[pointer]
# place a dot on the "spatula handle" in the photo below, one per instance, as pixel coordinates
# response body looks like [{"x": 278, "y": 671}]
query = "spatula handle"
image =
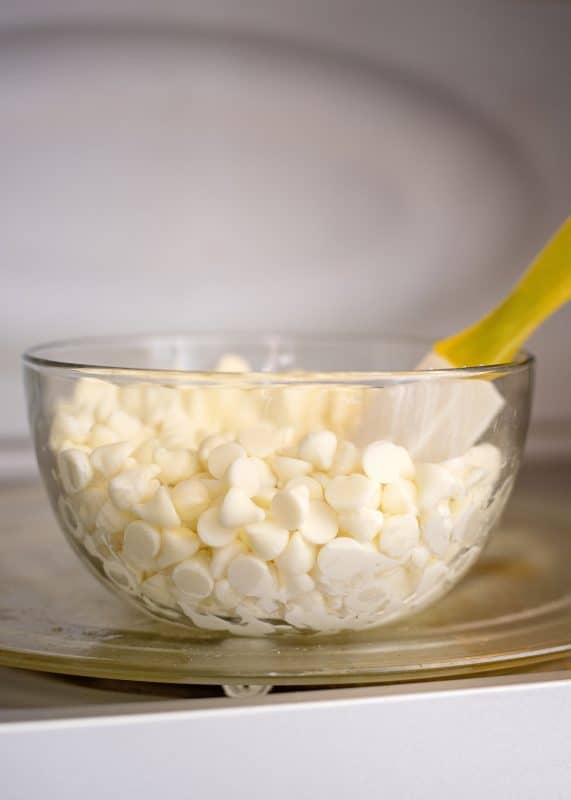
[{"x": 498, "y": 337}]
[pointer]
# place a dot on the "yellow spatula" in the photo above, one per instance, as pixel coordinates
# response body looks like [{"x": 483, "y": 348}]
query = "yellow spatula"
[
  {"x": 441, "y": 419},
  {"x": 499, "y": 336}
]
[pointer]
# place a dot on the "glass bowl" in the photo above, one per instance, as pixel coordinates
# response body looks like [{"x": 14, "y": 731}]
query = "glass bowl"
[{"x": 263, "y": 484}]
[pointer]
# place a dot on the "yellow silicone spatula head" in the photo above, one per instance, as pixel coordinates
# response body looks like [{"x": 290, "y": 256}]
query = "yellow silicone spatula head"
[
  {"x": 473, "y": 403},
  {"x": 498, "y": 337}
]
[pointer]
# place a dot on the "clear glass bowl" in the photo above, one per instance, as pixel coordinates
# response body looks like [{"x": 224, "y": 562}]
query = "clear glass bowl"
[{"x": 326, "y": 486}]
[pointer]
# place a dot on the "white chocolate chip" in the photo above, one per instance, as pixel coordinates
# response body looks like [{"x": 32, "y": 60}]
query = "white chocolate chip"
[
  {"x": 465, "y": 520},
  {"x": 101, "y": 435},
  {"x": 397, "y": 585},
  {"x": 485, "y": 456},
  {"x": 211, "y": 530},
  {"x": 69, "y": 445},
  {"x": 159, "y": 403},
  {"x": 386, "y": 564},
  {"x": 120, "y": 575},
  {"x": 178, "y": 433},
  {"x": 133, "y": 486},
  {"x": 110, "y": 519},
  {"x": 264, "y": 605},
  {"x": 264, "y": 497},
  {"x": 222, "y": 556},
  {"x": 158, "y": 588},
  {"x": 141, "y": 544},
  {"x": 249, "y": 624},
  {"x": 295, "y": 584},
  {"x": 193, "y": 578},
  {"x": 244, "y": 473},
  {"x": 386, "y": 462},
  {"x": 177, "y": 544},
  {"x": 97, "y": 544},
  {"x": 351, "y": 492},
  {"x": 304, "y": 618},
  {"x": 363, "y": 524},
  {"x": 176, "y": 464},
  {"x": 434, "y": 575},
  {"x": 320, "y": 525},
  {"x": 111, "y": 544},
  {"x": 212, "y": 622},
  {"x": 112, "y": 458},
  {"x": 90, "y": 502},
  {"x": 123, "y": 424},
  {"x": 346, "y": 459},
  {"x": 312, "y": 601},
  {"x": 400, "y": 535},
  {"x": 130, "y": 398},
  {"x": 399, "y": 497},
  {"x": 210, "y": 443},
  {"x": 322, "y": 479},
  {"x": 214, "y": 486},
  {"x": 436, "y": 528},
  {"x": 99, "y": 397},
  {"x": 298, "y": 556},
  {"x": 475, "y": 477},
  {"x": 260, "y": 440},
  {"x": 457, "y": 466},
  {"x": 190, "y": 499},
  {"x": 145, "y": 452},
  {"x": 287, "y": 468},
  {"x": 70, "y": 518},
  {"x": 75, "y": 470},
  {"x": 370, "y": 597},
  {"x": 288, "y": 404},
  {"x": 314, "y": 488},
  {"x": 75, "y": 427},
  {"x": 319, "y": 449},
  {"x": 237, "y": 510},
  {"x": 290, "y": 507},
  {"x": 159, "y": 510},
  {"x": 221, "y": 457},
  {"x": 436, "y": 483},
  {"x": 267, "y": 477},
  {"x": 267, "y": 539},
  {"x": 249, "y": 575},
  {"x": 420, "y": 556},
  {"x": 225, "y": 595},
  {"x": 343, "y": 559},
  {"x": 286, "y": 437}
]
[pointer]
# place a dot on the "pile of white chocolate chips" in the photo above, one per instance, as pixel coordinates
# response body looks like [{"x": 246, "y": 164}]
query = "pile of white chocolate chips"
[{"x": 206, "y": 505}]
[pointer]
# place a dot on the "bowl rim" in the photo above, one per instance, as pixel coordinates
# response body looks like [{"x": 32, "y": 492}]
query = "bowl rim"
[{"x": 36, "y": 358}]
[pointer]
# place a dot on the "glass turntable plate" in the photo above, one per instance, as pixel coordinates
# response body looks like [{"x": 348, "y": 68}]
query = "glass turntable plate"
[{"x": 512, "y": 609}]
